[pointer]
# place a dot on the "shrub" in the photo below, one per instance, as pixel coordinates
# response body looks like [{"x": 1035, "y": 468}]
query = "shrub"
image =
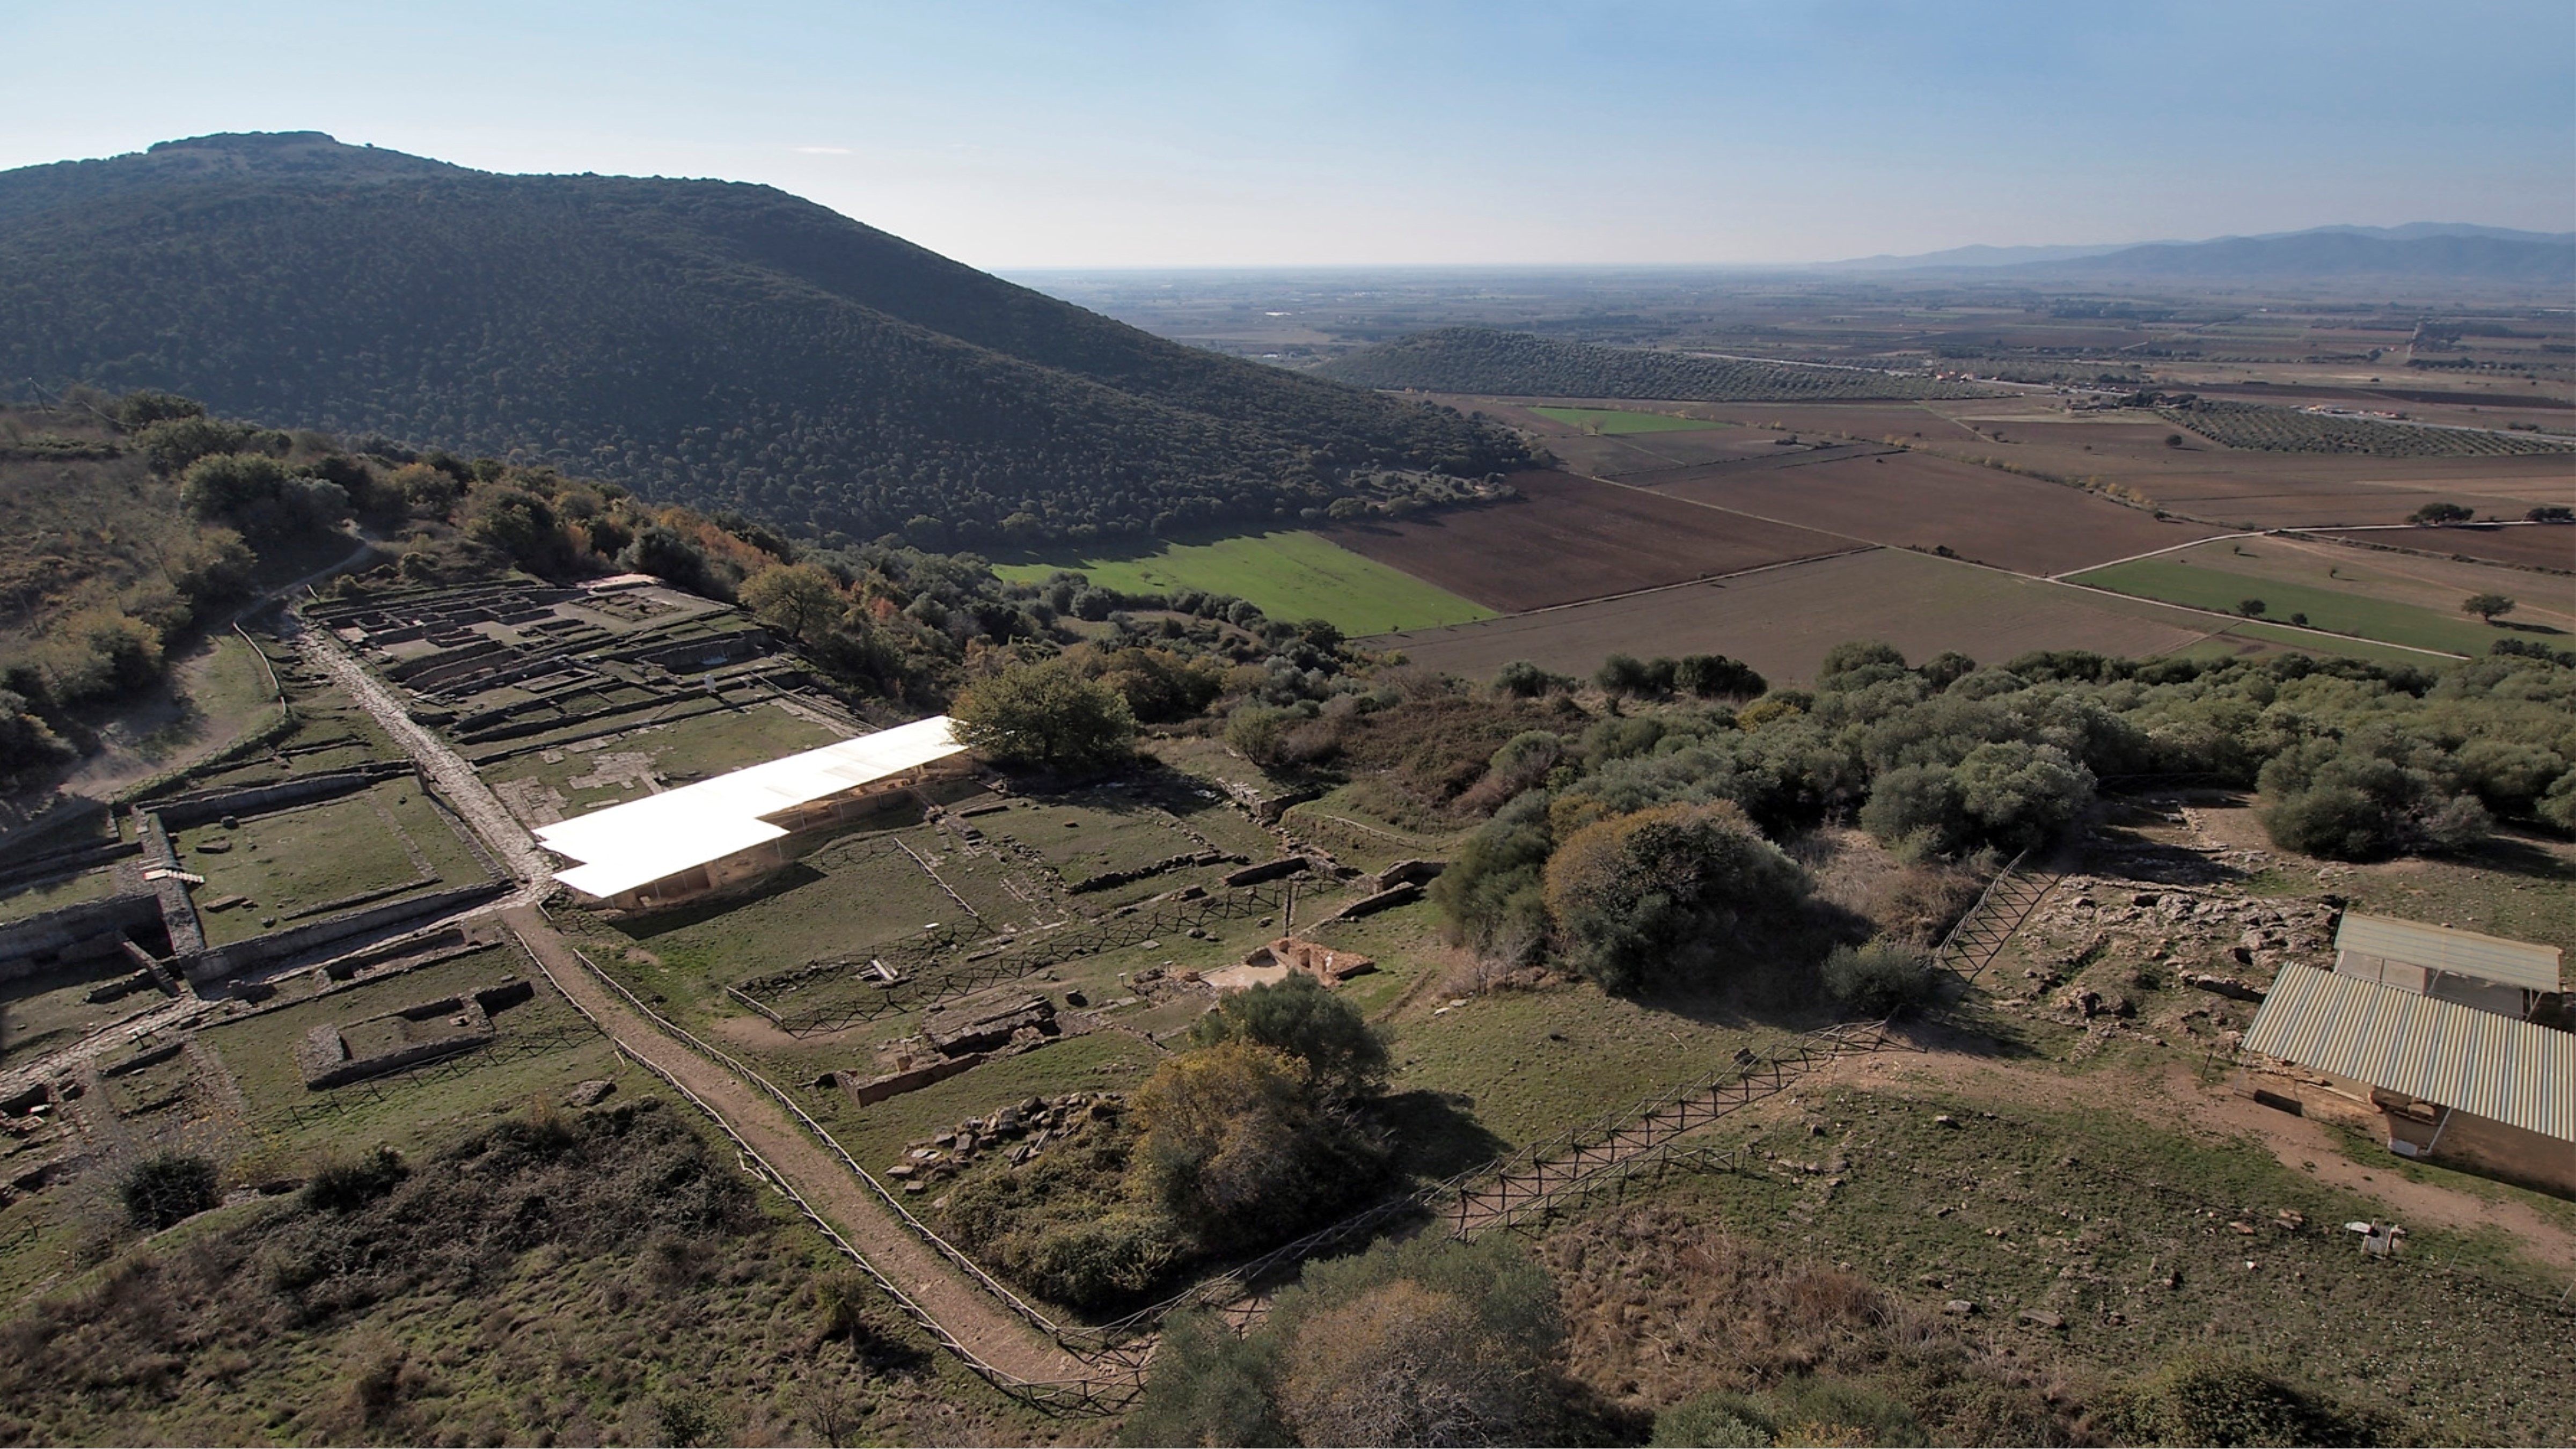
[
  {"x": 1881, "y": 979},
  {"x": 1425, "y": 1342},
  {"x": 343, "y": 1186},
  {"x": 1713, "y": 1421},
  {"x": 166, "y": 1189},
  {"x": 1259, "y": 732},
  {"x": 1668, "y": 897},
  {"x": 1624, "y": 674},
  {"x": 2206, "y": 1398},
  {"x": 1525, "y": 680},
  {"x": 1854, "y": 655},
  {"x": 1715, "y": 676}
]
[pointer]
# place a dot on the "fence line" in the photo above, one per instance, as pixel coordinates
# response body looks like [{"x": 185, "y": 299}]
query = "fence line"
[{"x": 2000, "y": 909}]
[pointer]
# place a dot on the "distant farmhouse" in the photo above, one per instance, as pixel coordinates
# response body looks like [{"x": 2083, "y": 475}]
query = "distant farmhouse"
[
  {"x": 681, "y": 844},
  {"x": 2432, "y": 1027}
]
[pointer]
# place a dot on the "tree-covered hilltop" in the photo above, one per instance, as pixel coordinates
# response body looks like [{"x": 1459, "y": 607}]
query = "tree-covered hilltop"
[
  {"x": 722, "y": 345},
  {"x": 1521, "y": 364}
]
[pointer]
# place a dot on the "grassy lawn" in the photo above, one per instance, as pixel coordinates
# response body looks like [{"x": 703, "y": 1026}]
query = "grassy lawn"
[
  {"x": 302, "y": 859},
  {"x": 1293, "y": 575},
  {"x": 2208, "y": 586},
  {"x": 1614, "y": 421}
]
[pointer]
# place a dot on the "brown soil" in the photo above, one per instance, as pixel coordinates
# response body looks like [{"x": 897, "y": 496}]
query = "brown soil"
[
  {"x": 2526, "y": 547},
  {"x": 1571, "y": 538},
  {"x": 1781, "y": 621},
  {"x": 2024, "y": 524}
]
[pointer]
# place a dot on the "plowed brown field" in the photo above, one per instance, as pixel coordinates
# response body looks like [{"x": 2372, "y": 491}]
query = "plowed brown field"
[
  {"x": 1994, "y": 517},
  {"x": 1571, "y": 538},
  {"x": 1781, "y": 621},
  {"x": 2530, "y": 546}
]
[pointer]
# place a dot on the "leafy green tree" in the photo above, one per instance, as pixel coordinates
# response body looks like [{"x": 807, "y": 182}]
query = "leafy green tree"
[
  {"x": 2488, "y": 607},
  {"x": 2441, "y": 513},
  {"x": 1299, "y": 1016},
  {"x": 2251, "y": 608},
  {"x": 1046, "y": 716},
  {"x": 800, "y": 601}
]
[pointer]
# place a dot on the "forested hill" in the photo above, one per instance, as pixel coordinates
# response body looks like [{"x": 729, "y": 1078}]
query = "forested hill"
[
  {"x": 723, "y": 345},
  {"x": 1520, "y": 364}
]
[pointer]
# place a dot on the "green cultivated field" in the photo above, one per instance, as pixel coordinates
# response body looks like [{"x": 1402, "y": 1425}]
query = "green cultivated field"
[
  {"x": 2203, "y": 586},
  {"x": 1614, "y": 421},
  {"x": 1294, "y": 576}
]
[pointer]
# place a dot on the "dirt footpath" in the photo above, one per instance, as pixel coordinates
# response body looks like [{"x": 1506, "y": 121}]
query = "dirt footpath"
[{"x": 969, "y": 1314}]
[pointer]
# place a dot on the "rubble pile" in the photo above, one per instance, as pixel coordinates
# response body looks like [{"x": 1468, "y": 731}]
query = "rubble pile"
[{"x": 1018, "y": 1133}]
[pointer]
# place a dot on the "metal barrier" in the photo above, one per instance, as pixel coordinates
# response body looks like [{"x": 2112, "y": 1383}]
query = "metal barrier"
[{"x": 1999, "y": 912}]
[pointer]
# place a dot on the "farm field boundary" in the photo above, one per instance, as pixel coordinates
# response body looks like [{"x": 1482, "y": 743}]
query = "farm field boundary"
[
  {"x": 1781, "y": 620},
  {"x": 2210, "y": 585}
]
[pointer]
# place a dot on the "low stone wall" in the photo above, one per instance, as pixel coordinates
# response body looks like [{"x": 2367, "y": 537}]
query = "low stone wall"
[
  {"x": 185, "y": 810},
  {"x": 895, "y": 1084},
  {"x": 74, "y": 933},
  {"x": 225, "y": 961},
  {"x": 1268, "y": 870}
]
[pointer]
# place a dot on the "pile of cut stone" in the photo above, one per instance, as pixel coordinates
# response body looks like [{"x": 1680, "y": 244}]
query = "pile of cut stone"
[{"x": 1018, "y": 1132}]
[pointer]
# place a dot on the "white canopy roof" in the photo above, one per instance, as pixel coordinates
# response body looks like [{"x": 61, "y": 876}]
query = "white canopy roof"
[{"x": 641, "y": 841}]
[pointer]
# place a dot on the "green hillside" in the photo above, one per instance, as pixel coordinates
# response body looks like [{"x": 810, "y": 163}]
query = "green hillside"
[
  {"x": 1520, "y": 364},
  {"x": 721, "y": 345}
]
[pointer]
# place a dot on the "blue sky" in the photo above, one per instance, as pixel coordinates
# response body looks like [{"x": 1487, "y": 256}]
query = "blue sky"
[{"x": 1027, "y": 136}]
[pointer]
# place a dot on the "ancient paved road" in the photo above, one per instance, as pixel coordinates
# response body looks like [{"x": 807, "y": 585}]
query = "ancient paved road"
[
  {"x": 501, "y": 831},
  {"x": 966, "y": 1312}
]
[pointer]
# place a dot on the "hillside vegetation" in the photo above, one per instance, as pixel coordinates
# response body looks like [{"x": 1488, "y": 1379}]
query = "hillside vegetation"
[
  {"x": 722, "y": 345},
  {"x": 1520, "y": 364}
]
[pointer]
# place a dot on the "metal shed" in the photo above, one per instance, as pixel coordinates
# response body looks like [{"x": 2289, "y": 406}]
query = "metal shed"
[
  {"x": 2489, "y": 973},
  {"x": 2406, "y": 1049}
]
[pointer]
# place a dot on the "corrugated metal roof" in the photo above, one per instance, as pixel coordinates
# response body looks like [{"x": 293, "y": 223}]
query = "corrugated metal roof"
[
  {"x": 2433, "y": 1050},
  {"x": 2462, "y": 953},
  {"x": 625, "y": 846}
]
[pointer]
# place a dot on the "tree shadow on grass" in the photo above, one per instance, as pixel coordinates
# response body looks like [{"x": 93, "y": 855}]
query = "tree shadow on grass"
[
  {"x": 2517, "y": 854},
  {"x": 1436, "y": 1133}
]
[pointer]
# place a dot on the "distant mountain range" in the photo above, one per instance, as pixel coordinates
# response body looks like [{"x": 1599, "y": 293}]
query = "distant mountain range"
[
  {"x": 723, "y": 345},
  {"x": 2419, "y": 250}
]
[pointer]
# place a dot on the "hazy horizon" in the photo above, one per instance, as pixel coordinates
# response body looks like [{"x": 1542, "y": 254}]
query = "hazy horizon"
[{"x": 1226, "y": 136}]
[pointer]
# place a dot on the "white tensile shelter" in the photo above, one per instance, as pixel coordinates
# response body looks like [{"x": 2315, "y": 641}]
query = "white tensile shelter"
[{"x": 686, "y": 842}]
